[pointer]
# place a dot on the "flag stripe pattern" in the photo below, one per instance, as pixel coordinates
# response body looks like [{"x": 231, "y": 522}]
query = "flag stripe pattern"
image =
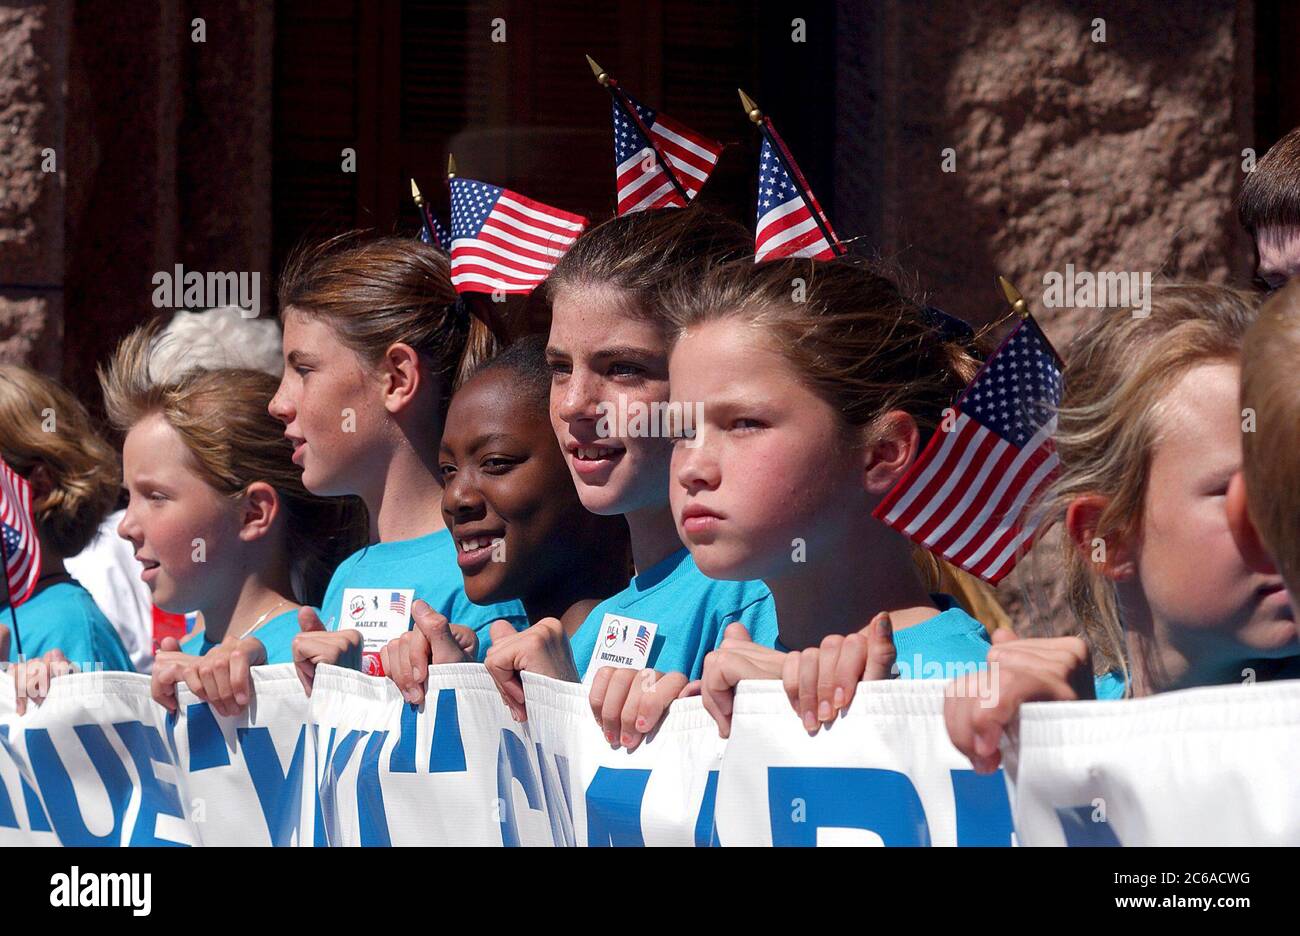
[
  {"x": 501, "y": 240},
  {"x": 968, "y": 498},
  {"x": 22, "y": 546},
  {"x": 642, "y": 183},
  {"x": 786, "y": 224}
]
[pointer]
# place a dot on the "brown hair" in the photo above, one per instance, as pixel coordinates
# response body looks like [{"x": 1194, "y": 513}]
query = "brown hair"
[
  {"x": 860, "y": 344},
  {"x": 1270, "y": 387},
  {"x": 222, "y": 418},
  {"x": 1117, "y": 373},
  {"x": 377, "y": 292},
  {"x": 1270, "y": 196},
  {"x": 41, "y": 423},
  {"x": 640, "y": 254}
]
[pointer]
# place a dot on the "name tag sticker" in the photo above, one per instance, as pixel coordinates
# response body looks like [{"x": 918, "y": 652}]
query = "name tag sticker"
[
  {"x": 623, "y": 642},
  {"x": 380, "y": 614}
]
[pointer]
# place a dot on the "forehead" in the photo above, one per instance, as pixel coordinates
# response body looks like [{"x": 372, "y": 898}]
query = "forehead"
[
  {"x": 153, "y": 444},
  {"x": 1199, "y": 418},
  {"x": 728, "y": 351},
  {"x": 494, "y": 402},
  {"x": 586, "y": 318}
]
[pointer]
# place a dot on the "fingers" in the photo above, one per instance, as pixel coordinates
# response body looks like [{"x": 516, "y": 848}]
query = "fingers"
[
  {"x": 467, "y": 640},
  {"x": 170, "y": 645},
  {"x": 303, "y": 663},
  {"x": 596, "y": 696},
  {"x": 847, "y": 671},
  {"x": 809, "y": 666},
  {"x": 162, "y": 684},
  {"x": 500, "y": 662},
  {"x": 652, "y": 705},
  {"x": 400, "y": 653},
  {"x": 611, "y": 712},
  {"x": 881, "y": 653},
  {"x": 4, "y": 643},
  {"x": 690, "y": 690},
  {"x": 248, "y": 653},
  {"x": 718, "y": 691},
  {"x": 829, "y": 654}
]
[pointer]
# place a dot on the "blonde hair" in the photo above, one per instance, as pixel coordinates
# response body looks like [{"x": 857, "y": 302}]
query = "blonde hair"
[
  {"x": 860, "y": 344},
  {"x": 377, "y": 292},
  {"x": 1117, "y": 374},
  {"x": 41, "y": 423},
  {"x": 1270, "y": 387},
  {"x": 221, "y": 416}
]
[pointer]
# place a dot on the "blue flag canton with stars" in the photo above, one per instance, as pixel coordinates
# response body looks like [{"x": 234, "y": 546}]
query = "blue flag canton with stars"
[
  {"x": 471, "y": 203},
  {"x": 775, "y": 187},
  {"x": 1019, "y": 389},
  {"x": 628, "y": 140}
]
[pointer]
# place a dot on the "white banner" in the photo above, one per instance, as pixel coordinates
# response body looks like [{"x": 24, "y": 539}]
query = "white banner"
[{"x": 99, "y": 763}]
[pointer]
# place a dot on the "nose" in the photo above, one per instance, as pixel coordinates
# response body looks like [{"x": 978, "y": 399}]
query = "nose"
[
  {"x": 576, "y": 399},
  {"x": 461, "y": 498},
  {"x": 128, "y": 529},
  {"x": 695, "y": 463},
  {"x": 281, "y": 405}
]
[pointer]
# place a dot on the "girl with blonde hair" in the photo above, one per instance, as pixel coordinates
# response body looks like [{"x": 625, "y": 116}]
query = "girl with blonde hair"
[
  {"x": 1149, "y": 436},
  {"x": 220, "y": 519}
]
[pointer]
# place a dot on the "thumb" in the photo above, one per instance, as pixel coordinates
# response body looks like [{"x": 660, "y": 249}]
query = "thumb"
[
  {"x": 308, "y": 620},
  {"x": 170, "y": 644},
  {"x": 881, "y": 652},
  {"x": 443, "y": 647},
  {"x": 1002, "y": 635},
  {"x": 500, "y": 630},
  {"x": 736, "y": 632}
]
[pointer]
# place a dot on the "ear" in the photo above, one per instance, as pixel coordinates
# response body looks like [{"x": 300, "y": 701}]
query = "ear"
[
  {"x": 259, "y": 508},
  {"x": 1112, "y": 555},
  {"x": 1244, "y": 534},
  {"x": 402, "y": 376},
  {"x": 895, "y": 440}
]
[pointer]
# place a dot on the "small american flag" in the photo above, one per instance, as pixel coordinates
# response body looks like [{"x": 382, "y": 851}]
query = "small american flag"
[
  {"x": 788, "y": 213},
  {"x": 432, "y": 231},
  {"x": 642, "y": 181},
  {"x": 397, "y": 603},
  {"x": 22, "y": 547},
  {"x": 966, "y": 497},
  {"x": 642, "y": 639},
  {"x": 501, "y": 240}
]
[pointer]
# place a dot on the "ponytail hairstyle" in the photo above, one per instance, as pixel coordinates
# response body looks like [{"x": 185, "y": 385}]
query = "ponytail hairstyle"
[
  {"x": 859, "y": 343},
  {"x": 640, "y": 254},
  {"x": 377, "y": 292},
  {"x": 1117, "y": 375},
  {"x": 42, "y": 424},
  {"x": 221, "y": 416}
]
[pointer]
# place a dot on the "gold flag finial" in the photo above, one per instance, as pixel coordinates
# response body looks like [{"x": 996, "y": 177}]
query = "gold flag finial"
[
  {"x": 451, "y": 167},
  {"x": 601, "y": 75},
  {"x": 1013, "y": 296},
  {"x": 751, "y": 109},
  {"x": 415, "y": 193}
]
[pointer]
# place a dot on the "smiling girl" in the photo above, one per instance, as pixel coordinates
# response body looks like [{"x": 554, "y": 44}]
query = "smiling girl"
[
  {"x": 508, "y": 494},
  {"x": 219, "y": 519},
  {"x": 374, "y": 341},
  {"x": 820, "y": 384},
  {"x": 1150, "y": 435},
  {"x": 608, "y": 353}
]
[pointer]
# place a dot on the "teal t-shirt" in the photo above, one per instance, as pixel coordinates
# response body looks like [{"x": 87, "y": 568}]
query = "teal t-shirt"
[
  {"x": 942, "y": 647},
  {"x": 426, "y": 564},
  {"x": 63, "y": 616},
  {"x": 276, "y": 636},
  {"x": 691, "y": 612}
]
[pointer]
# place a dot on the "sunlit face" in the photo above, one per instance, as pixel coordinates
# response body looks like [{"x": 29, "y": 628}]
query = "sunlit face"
[
  {"x": 1279, "y": 256},
  {"x": 332, "y": 408},
  {"x": 599, "y": 353},
  {"x": 768, "y": 474},
  {"x": 508, "y": 499},
  {"x": 1190, "y": 570},
  {"x": 184, "y": 531}
]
